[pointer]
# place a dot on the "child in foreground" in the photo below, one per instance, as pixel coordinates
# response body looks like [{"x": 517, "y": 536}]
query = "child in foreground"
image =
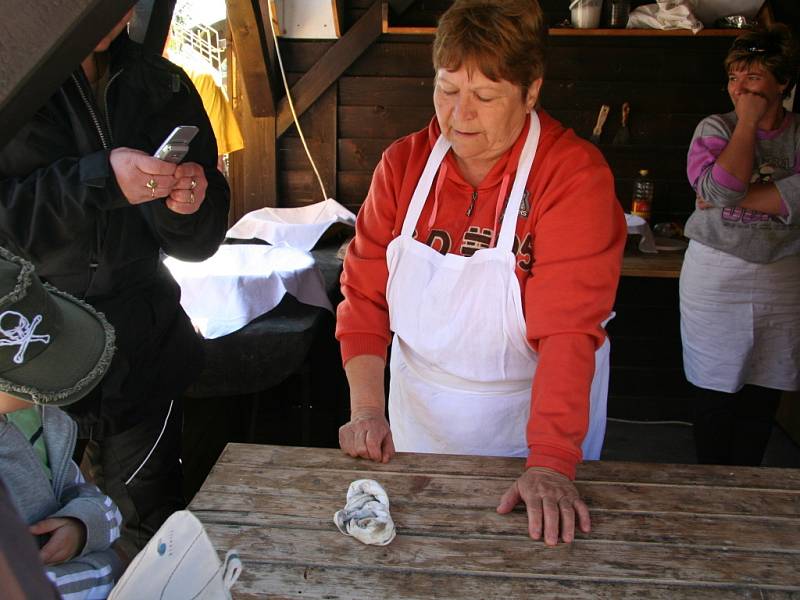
[{"x": 53, "y": 350}]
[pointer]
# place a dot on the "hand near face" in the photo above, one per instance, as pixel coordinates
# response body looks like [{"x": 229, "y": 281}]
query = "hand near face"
[
  {"x": 67, "y": 538},
  {"x": 367, "y": 435},
  {"x": 754, "y": 91},
  {"x": 141, "y": 177},
  {"x": 552, "y": 502},
  {"x": 751, "y": 107}
]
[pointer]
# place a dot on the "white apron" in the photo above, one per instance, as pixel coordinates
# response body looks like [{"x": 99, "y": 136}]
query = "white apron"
[
  {"x": 461, "y": 367},
  {"x": 740, "y": 321}
]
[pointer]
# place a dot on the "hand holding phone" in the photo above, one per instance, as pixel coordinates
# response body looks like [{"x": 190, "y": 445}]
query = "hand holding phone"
[{"x": 176, "y": 145}]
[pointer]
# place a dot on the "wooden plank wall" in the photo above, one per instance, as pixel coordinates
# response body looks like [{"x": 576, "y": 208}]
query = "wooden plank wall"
[{"x": 671, "y": 83}]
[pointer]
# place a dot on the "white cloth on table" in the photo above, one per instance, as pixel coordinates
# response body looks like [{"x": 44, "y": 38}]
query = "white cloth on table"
[
  {"x": 297, "y": 227},
  {"x": 638, "y": 226},
  {"x": 740, "y": 321},
  {"x": 244, "y": 281},
  {"x": 366, "y": 515}
]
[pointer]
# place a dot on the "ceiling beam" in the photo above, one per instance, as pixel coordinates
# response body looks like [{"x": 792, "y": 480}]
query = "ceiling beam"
[
  {"x": 252, "y": 44},
  {"x": 332, "y": 64},
  {"x": 270, "y": 53},
  {"x": 41, "y": 43}
]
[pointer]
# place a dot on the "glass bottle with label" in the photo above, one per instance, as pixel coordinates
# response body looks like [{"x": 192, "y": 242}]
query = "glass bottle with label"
[
  {"x": 642, "y": 205},
  {"x": 615, "y": 13}
]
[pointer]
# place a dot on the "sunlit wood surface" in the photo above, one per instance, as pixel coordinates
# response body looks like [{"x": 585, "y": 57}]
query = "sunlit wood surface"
[{"x": 659, "y": 531}]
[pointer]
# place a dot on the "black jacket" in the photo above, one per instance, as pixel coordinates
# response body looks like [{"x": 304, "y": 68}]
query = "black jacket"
[{"x": 61, "y": 207}]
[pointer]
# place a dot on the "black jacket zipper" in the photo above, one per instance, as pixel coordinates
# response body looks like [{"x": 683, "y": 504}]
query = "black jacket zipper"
[{"x": 106, "y": 141}]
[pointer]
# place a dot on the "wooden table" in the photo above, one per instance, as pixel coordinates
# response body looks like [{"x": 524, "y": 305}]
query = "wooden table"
[
  {"x": 663, "y": 264},
  {"x": 659, "y": 531}
]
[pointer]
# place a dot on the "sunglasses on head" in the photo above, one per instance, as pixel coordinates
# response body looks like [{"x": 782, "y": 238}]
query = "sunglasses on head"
[{"x": 755, "y": 46}]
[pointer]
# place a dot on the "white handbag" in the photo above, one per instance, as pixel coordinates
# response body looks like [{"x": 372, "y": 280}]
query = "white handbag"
[{"x": 179, "y": 563}]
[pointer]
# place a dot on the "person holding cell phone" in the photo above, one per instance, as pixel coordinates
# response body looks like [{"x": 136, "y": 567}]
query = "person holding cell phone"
[{"x": 83, "y": 198}]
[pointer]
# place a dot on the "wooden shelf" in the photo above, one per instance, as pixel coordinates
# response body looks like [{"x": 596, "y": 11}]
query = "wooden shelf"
[
  {"x": 565, "y": 31},
  {"x": 764, "y": 16},
  {"x": 569, "y": 31}
]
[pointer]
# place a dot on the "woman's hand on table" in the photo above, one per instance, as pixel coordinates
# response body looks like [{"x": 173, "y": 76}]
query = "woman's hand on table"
[
  {"x": 367, "y": 435},
  {"x": 552, "y": 502}
]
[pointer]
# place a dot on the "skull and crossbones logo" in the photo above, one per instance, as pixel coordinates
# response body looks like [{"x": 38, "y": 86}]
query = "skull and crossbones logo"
[{"x": 22, "y": 333}]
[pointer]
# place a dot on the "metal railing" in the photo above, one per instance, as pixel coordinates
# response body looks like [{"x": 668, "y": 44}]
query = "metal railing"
[{"x": 197, "y": 41}]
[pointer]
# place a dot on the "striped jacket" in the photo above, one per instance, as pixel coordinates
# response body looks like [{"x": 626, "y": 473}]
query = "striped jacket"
[{"x": 90, "y": 574}]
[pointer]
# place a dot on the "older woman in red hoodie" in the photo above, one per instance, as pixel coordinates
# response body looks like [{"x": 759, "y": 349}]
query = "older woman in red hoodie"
[{"x": 490, "y": 245}]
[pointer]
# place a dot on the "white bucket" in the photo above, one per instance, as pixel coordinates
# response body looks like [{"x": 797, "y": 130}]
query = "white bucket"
[{"x": 585, "y": 14}]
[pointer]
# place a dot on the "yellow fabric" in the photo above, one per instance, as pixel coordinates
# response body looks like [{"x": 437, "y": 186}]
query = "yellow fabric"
[{"x": 220, "y": 113}]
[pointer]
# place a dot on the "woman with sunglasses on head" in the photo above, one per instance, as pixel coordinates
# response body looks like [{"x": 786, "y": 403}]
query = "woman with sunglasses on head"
[{"x": 740, "y": 283}]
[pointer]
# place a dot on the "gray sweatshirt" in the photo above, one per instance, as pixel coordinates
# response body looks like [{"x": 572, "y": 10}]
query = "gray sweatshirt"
[
  {"x": 747, "y": 234},
  {"x": 94, "y": 570}
]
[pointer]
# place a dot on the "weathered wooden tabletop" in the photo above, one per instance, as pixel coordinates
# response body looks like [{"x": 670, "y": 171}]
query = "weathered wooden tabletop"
[
  {"x": 662, "y": 265},
  {"x": 659, "y": 531}
]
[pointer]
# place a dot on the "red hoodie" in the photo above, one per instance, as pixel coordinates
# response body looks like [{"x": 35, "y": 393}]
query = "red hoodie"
[{"x": 569, "y": 240}]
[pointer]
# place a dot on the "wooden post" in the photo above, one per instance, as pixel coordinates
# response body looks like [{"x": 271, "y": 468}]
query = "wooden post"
[
  {"x": 247, "y": 30},
  {"x": 253, "y": 169}
]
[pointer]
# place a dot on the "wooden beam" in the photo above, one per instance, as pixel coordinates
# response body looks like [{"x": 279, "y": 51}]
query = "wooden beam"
[
  {"x": 40, "y": 44},
  {"x": 328, "y": 69},
  {"x": 249, "y": 41},
  {"x": 270, "y": 53},
  {"x": 253, "y": 170}
]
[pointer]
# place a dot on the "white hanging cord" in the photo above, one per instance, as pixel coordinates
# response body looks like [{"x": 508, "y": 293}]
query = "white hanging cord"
[
  {"x": 289, "y": 98},
  {"x": 158, "y": 439}
]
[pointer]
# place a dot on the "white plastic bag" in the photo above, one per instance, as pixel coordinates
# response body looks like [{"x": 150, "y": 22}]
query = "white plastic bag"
[
  {"x": 665, "y": 14},
  {"x": 179, "y": 562}
]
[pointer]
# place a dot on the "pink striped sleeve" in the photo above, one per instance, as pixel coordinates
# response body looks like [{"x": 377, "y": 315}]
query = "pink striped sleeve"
[
  {"x": 725, "y": 179},
  {"x": 702, "y": 156}
]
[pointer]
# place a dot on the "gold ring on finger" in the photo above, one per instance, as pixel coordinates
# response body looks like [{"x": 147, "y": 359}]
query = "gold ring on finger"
[
  {"x": 152, "y": 184},
  {"x": 194, "y": 183},
  {"x": 191, "y": 197}
]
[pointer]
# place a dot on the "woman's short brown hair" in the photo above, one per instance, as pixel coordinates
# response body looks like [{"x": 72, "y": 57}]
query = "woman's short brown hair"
[
  {"x": 504, "y": 39},
  {"x": 772, "y": 48}
]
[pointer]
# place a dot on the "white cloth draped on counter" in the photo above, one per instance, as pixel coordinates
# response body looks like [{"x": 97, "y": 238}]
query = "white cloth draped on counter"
[
  {"x": 300, "y": 227},
  {"x": 638, "y": 226},
  {"x": 244, "y": 281}
]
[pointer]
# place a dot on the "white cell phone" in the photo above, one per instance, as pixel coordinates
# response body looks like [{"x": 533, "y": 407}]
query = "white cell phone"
[{"x": 176, "y": 146}]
